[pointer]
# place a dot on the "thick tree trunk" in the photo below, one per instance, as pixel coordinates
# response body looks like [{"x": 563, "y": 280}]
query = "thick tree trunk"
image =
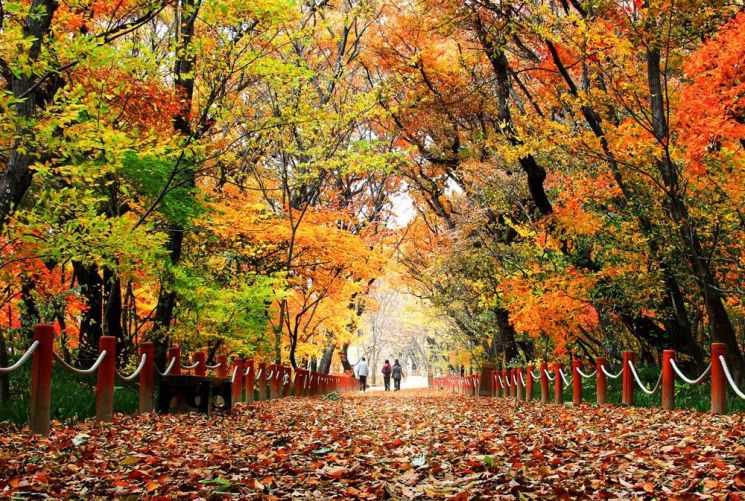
[
  {"x": 15, "y": 178},
  {"x": 324, "y": 366},
  {"x": 509, "y": 347},
  {"x": 91, "y": 322}
]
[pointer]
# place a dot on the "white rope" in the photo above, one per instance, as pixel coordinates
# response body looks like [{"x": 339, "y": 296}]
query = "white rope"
[
  {"x": 501, "y": 384},
  {"x": 258, "y": 374},
  {"x": 550, "y": 378},
  {"x": 612, "y": 376},
  {"x": 212, "y": 367},
  {"x": 639, "y": 382},
  {"x": 563, "y": 376},
  {"x": 269, "y": 376},
  {"x": 235, "y": 373},
  {"x": 169, "y": 368},
  {"x": 137, "y": 371},
  {"x": 507, "y": 381},
  {"x": 534, "y": 375},
  {"x": 192, "y": 366},
  {"x": 690, "y": 381},
  {"x": 586, "y": 376},
  {"x": 82, "y": 372},
  {"x": 278, "y": 372},
  {"x": 730, "y": 379},
  {"x": 22, "y": 360},
  {"x": 248, "y": 371},
  {"x": 514, "y": 379},
  {"x": 523, "y": 379}
]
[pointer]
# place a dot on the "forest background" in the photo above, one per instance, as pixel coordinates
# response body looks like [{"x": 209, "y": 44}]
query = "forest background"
[{"x": 225, "y": 175}]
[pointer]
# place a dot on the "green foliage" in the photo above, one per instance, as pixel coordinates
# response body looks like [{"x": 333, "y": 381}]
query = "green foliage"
[{"x": 165, "y": 183}]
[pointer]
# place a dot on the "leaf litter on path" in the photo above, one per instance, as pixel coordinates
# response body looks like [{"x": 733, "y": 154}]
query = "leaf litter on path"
[{"x": 419, "y": 444}]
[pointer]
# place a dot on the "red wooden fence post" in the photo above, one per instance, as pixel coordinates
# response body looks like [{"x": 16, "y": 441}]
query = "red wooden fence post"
[
  {"x": 529, "y": 381},
  {"x": 520, "y": 387},
  {"x": 174, "y": 353},
  {"x": 271, "y": 369},
  {"x": 200, "y": 358},
  {"x": 512, "y": 374},
  {"x": 238, "y": 381},
  {"x": 576, "y": 383},
  {"x": 298, "y": 386},
  {"x": 261, "y": 382},
  {"x": 248, "y": 365},
  {"x": 544, "y": 382},
  {"x": 222, "y": 370},
  {"x": 628, "y": 383},
  {"x": 105, "y": 384},
  {"x": 602, "y": 381},
  {"x": 41, "y": 379},
  {"x": 558, "y": 384},
  {"x": 718, "y": 382},
  {"x": 147, "y": 377},
  {"x": 668, "y": 380}
]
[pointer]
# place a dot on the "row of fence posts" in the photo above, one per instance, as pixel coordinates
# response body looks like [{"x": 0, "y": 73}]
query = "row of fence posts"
[
  {"x": 245, "y": 374},
  {"x": 519, "y": 382}
]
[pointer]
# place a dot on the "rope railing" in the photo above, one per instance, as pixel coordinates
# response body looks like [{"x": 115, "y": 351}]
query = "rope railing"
[
  {"x": 170, "y": 367},
  {"x": 639, "y": 382},
  {"x": 609, "y": 374},
  {"x": 684, "y": 378},
  {"x": 729, "y": 377},
  {"x": 81, "y": 372},
  {"x": 44, "y": 357},
  {"x": 19, "y": 363},
  {"x": 511, "y": 383},
  {"x": 213, "y": 367},
  {"x": 136, "y": 372}
]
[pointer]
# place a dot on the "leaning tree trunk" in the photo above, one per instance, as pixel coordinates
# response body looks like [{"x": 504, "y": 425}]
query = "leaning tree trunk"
[{"x": 324, "y": 365}]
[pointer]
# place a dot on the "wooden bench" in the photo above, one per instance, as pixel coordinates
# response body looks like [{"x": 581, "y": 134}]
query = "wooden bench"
[{"x": 203, "y": 393}]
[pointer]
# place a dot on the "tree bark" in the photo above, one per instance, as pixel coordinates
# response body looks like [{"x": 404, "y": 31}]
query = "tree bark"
[{"x": 15, "y": 179}]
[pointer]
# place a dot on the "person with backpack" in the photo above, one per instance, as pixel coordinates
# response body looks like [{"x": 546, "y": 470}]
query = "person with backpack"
[
  {"x": 362, "y": 373},
  {"x": 387, "y": 375},
  {"x": 396, "y": 373}
]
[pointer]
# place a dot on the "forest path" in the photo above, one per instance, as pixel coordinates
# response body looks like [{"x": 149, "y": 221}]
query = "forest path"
[{"x": 423, "y": 444}]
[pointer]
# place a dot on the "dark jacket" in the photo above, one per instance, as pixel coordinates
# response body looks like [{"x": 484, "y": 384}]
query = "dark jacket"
[
  {"x": 397, "y": 370},
  {"x": 387, "y": 370}
]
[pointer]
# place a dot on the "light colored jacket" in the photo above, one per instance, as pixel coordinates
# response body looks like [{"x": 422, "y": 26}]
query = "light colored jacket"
[{"x": 362, "y": 368}]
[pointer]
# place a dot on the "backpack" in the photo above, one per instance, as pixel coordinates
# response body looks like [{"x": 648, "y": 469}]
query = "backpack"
[
  {"x": 387, "y": 370},
  {"x": 396, "y": 372}
]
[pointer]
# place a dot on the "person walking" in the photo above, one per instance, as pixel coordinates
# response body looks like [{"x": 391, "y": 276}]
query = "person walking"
[
  {"x": 387, "y": 369},
  {"x": 362, "y": 374},
  {"x": 396, "y": 372}
]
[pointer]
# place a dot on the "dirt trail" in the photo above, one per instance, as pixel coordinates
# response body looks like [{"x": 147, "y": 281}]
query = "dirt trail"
[{"x": 416, "y": 444}]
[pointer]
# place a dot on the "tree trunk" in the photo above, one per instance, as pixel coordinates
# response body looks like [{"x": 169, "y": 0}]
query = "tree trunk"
[
  {"x": 186, "y": 12},
  {"x": 15, "y": 178},
  {"x": 721, "y": 326},
  {"x": 91, "y": 322},
  {"x": 509, "y": 347},
  {"x": 324, "y": 366},
  {"x": 4, "y": 378}
]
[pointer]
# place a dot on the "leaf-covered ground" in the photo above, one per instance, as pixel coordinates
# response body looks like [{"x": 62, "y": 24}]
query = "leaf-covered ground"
[{"x": 408, "y": 445}]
